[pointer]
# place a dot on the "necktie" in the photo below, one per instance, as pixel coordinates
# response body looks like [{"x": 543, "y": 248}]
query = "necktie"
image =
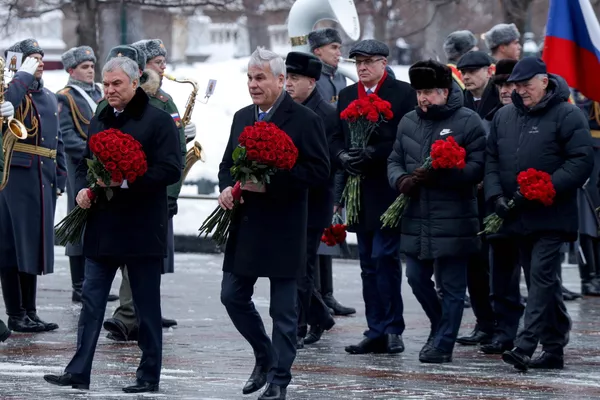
[
  {"x": 261, "y": 115},
  {"x": 477, "y": 103},
  {"x": 369, "y": 91}
]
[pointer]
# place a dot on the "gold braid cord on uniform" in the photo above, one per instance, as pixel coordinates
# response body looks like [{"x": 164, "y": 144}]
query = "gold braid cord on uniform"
[
  {"x": 21, "y": 115},
  {"x": 595, "y": 112},
  {"x": 77, "y": 116}
]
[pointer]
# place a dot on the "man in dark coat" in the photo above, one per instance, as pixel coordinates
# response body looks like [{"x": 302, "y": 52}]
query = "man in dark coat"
[
  {"x": 38, "y": 173},
  {"x": 540, "y": 130},
  {"x": 378, "y": 248},
  {"x": 257, "y": 246},
  {"x": 481, "y": 96},
  {"x": 129, "y": 229},
  {"x": 303, "y": 70},
  {"x": 77, "y": 102},
  {"x": 440, "y": 222}
]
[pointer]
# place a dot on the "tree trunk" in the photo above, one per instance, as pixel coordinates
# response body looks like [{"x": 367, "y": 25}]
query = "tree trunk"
[
  {"x": 515, "y": 11},
  {"x": 258, "y": 32},
  {"x": 87, "y": 28}
]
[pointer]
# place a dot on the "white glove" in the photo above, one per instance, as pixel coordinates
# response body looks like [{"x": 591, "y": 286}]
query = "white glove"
[
  {"x": 7, "y": 110},
  {"x": 190, "y": 132},
  {"x": 30, "y": 65}
]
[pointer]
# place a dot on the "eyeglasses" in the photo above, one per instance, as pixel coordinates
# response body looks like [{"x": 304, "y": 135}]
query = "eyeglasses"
[{"x": 368, "y": 62}]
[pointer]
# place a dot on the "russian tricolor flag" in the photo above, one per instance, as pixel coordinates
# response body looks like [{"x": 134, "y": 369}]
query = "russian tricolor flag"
[{"x": 572, "y": 45}]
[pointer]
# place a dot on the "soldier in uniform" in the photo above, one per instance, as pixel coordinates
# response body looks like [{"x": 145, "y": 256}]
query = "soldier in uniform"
[
  {"x": 77, "y": 102},
  {"x": 123, "y": 324},
  {"x": 503, "y": 42},
  {"x": 38, "y": 174},
  {"x": 456, "y": 45}
]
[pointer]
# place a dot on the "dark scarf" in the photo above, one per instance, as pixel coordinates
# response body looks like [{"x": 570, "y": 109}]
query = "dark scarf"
[
  {"x": 36, "y": 85},
  {"x": 328, "y": 69}
]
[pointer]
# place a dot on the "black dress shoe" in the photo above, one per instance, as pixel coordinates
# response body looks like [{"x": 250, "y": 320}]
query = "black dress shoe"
[
  {"x": 590, "y": 289},
  {"x": 548, "y": 361},
  {"x": 48, "y": 326},
  {"x": 141, "y": 387},
  {"x": 428, "y": 345},
  {"x": 314, "y": 334},
  {"x": 299, "y": 343},
  {"x": 116, "y": 327},
  {"x": 258, "y": 379},
  {"x": 24, "y": 324},
  {"x": 273, "y": 392},
  {"x": 476, "y": 337},
  {"x": 116, "y": 337},
  {"x": 337, "y": 308},
  {"x": 4, "y": 331},
  {"x": 435, "y": 356},
  {"x": 496, "y": 347},
  {"x": 568, "y": 295},
  {"x": 367, "y": 346},
  {"x": 517, "y": 358},
  {"x": 67, "y": 380},
  {"x": 167, "y": 323},
  {"x": 395, "y": 344},
  {"x": 76, "y": 296}
]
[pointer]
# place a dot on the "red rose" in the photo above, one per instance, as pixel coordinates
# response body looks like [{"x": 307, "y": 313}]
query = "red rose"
[
  {"x": 261, "y": 145},
  {"x": 111, "y": 146},
  {"x": 117, "y": 176},
  {"x": 131, "y": 176},
  {"x": 250, "y": 144},
  {"x": 263, "y": 155},
  {"x": 252, "y": 155},
  {"x": 110, "y": 166},
  {"x": 123, "y": 149},
  {"x": 125, "y": 165},
  {"x": 116, "y": 156},
  {"x": 104, "y": 156}
]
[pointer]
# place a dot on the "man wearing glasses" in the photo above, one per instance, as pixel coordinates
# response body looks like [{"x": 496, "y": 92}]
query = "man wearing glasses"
[{"x": 378, "y": 248}]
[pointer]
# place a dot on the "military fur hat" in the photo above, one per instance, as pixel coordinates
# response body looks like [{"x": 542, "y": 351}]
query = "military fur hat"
[
  {"x": 323, "y": 37},
  {"x": 27, "y": 47},
  {"x": 501, "y": 34},
  {"x": 129, "y": 52},
  {"x": 77, "y": 55},
  {"x": 504, "y": 68},
  {"x": 459, "y": 43},
  {"x": 303, "y": 64},
  {"x": 150, "y": 48},
  {"x": 430, "y": 75}
]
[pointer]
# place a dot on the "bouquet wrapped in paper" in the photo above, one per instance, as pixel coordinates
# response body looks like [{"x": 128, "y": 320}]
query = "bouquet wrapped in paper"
[
  {"x": 263, "y": 149},
  {"x": 335, "y": 233},
  {"x": 116, "y": 156}
]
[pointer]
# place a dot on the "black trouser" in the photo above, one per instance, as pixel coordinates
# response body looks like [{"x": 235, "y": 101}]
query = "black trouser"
[
  {"x": 311, "y": 308},
  {"x": 588, "y": 268},
  {"x": 77, "y": 265},
  {"x": 478, "y": 283},
  {"x": 278, "y": 354},
  {"x": 144, "y": 276},
  {"x": 19, "y": 291},
  {"x": 324, "y": 275}
]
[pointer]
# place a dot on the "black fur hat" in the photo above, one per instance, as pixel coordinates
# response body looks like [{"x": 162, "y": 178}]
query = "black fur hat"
[
  {"x": 504, "y": 68},
  {"x": 430, "y": 75},
  {"x": 303, "y": 64}
]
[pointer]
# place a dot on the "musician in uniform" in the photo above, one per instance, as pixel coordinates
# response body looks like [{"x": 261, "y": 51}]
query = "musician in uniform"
[
  {"x": 77, "y": 102},
  {"x": 456, "y": 45},
  {"x": 38, "y": 174},
  {"x": 123, "y": 324}
]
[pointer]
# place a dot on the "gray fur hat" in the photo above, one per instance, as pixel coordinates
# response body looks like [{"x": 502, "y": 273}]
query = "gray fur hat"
[
  {"x": 323, "y": 37},
  {"x": 130, "y": 52},
  {"x": 151, "y": 48},
  {"x": 27, "y": 47},
  {"x": 459, "y": 43},
  {"x": 77, "y": 55},
  {"x": 501, "y": 34}
]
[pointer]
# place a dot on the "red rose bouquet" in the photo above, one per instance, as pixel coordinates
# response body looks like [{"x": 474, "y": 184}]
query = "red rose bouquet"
[
  {"x": 533, "y": 185},
  {"x": 336, "y": 232},
  {"x": 445, "y": 154},
  {"x": 116, "y": 156},
  {"x": 263, "y": 149},
  {"x": 363, "y": 116}
]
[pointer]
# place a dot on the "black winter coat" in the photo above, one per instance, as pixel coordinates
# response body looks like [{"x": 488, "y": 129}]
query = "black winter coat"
[
  {"x": 441, "y": 219},
  {"x": 267, "y": 236},
  {"x": 375, "y": 194},
  {"x": 134, "y": 222},
  {"x": 553, "y": 136},
  {"x": 320, "y": 198}
]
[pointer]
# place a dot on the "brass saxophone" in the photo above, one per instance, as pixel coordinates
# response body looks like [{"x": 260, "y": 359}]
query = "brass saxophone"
[
  {"x": 15, "y": 130},
  {"x": 195, "y": 153}
]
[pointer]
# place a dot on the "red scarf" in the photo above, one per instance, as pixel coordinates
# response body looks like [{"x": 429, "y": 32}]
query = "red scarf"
[{"x": 362, "y": 91}]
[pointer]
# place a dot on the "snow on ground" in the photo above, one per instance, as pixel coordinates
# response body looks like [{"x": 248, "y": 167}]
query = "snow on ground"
[{"x": 212, "y": 119}]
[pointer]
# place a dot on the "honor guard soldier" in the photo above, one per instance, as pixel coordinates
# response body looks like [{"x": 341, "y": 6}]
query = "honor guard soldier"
[
  {"x": 456, "y": 45},
  {"x": 503, "y": 42},
  {"x": 37, "y": 176},
  {"x": 77, "y": 102}
]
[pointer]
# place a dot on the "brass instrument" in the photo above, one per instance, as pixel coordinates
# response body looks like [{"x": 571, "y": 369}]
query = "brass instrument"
[
  {"x": 195, "y": 153},
  {"x": 15, "y": 131}
]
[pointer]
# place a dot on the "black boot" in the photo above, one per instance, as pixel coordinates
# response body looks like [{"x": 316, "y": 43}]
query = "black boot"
[
  {"x": 48, "y": 326},
  {"x": 167, "y": 323},
  {"x": 258, "y": 379},
  {"x": 548, "y": 361},
  {"x": 476, "y": 337},
  {"x": 314, "y": 334},
  {"x": 4, "y": 331},
  {"x": 337, "y": 308},
  {"x": 435, "y": 356},
  {"x": 517, "y": 358},
  {"x": 24, "y": 324},
  {"x": 273, "y": 392}
]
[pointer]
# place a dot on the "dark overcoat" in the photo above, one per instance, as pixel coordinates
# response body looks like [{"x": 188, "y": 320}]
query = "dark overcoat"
[
  {"x": 75, "y": 115},
  {"x": 267, "y": 236},
  {"x": 441, "y": 218},
  {"x": 553, "y": 136},
  {"x": 134, "y": 222},
  {"x": 375, "y": 193},
  {"x": 28, "y": 202}
]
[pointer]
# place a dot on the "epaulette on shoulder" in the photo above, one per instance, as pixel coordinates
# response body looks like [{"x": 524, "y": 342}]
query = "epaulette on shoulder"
[{"x": 64, "y": 91}]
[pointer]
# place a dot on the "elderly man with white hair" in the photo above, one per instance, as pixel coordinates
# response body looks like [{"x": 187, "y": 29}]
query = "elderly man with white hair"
[
  {"x": 130, "y": 229},
  {"x": 268, "y": 232}
]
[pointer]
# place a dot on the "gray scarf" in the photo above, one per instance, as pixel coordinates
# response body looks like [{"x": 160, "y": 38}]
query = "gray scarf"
[
  {"x": 90, "y": 88},
  {"x": 36, "y": 85},
  {"x": 328, "y": 69}
]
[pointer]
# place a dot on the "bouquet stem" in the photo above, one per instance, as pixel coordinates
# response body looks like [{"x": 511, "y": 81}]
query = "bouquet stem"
[
  {"x": 351, "y": 197},
  {"x": 218, "y": 221},
  {"x": 493, "y": 222},
  {"x": 70, "y": 229},
  {"x": 391, "y": 217}
]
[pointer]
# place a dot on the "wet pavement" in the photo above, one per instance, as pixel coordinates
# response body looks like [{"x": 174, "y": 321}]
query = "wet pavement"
[{"x": 206, "y": 358}]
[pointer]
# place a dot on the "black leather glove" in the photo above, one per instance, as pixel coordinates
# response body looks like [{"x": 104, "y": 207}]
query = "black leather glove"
[
  {"x": 422, "y": 175},
  {"x": 172, "y": 208},
  {"x": 349, "y": 161},
  {"x": 501, "y": 207},
  {"x": 406, "y": 184}
]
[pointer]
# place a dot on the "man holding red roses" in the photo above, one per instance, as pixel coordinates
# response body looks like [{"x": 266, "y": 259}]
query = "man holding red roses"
[
  {"x": 543, "y": 131},
  {"x": 440, "y": 221},
  {"x": 267, "y": 235},
  {"x": 378, "y": 248},
  {"x": 128, "y": 227}
]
